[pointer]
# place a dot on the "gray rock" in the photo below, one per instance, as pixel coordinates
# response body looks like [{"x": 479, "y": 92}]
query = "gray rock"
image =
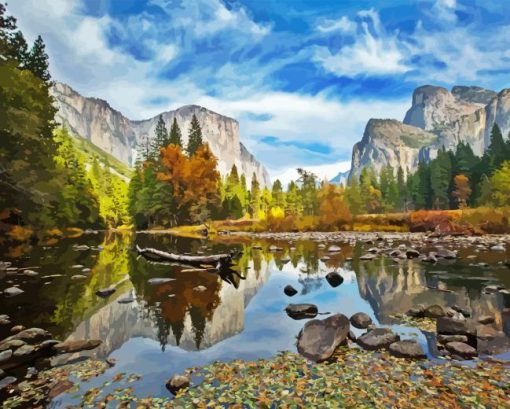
[
  {"x": 378, "y": 338},
  {"x": 446, "y": 254},
  {"x": 407, "y": 349},
  {"x": 367, "y": 257},
  {"x": 5, "y": 355},
  {"x": 417, "y": 311},
  {"x": 177, "y": 382},
  {"x": 5, "y": 382},
  {"x": 451, "y": 326},
  {"x": 301, "y": 311},
  {"x": 461, "y": 349},
  {"x": 434, "y": 311},
  {"x": 498, "y": 247},
  {"x": 465, "y": 312},
  {"x": 30, "y": 273},
  {"x": 318, "y": 339},
  {"x": 25, "y": 351},
  {"x": 78, "y": 277},
  {"x": 11, "y": 344},
  {"x": 16, "y": 329},
  {"x": 290, "y": 291},
  {"x": 334, "y": 249},
  {"x": 81, "y": 247},
  {"x": 13, "y": 291},
  {"x": 360, "y": 320},
  {"x": 412, "y": 253},
  {"x": 444, "y": 339},
  {"x": 76, "y": 345},
  {"x": 334, "y": 279},
  {"x": 31, "y": 335}
]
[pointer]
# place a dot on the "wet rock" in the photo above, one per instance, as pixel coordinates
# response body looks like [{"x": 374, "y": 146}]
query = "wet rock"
[
  {"x": 77, "y": 266},
  {"x": 105, "y": 292},
  {"x": 16, "y": 329},
  {"x": 76, "y": 346},
  {"x": 334, "y": 279},
  {"x": 200, "y": 289},
  {"x": 446, "y": 254},
  {"x": 77, "y": 277},
  {"x": 25, "y": 351},
  {"x": 434, "y": 311},
  {"x": 407, "y": 349},
  {"x": 5, "y": 355},
  {"x": 360, "y": 320},
  {"x": 318, "y": 339},
  {"x": 30, "y": 273},
  {"x": 465, "y": 312},
  {"x": 431, "y": 258},
  {"x": 444, "y": 339},
  {"x": 461, "y": 349},
  {"x": 378, "y": 338},
  {"x": 325, "y": 258},
  {"x": 13, "y": 291},
  {"x": 412, "y": 253},
  {"x": 159, "y": 281},
  {"x": 11, "y": 344},
  {"x": 301, "y": 311},
  {"x": 416, "y": 311},
  {"x": 49, "y": 344},
  {"x": 177, "y": 382},
  {"x": 498, "y": 247},
  {"x": 274, "y": 248},
  {"x": 397, "y": 254},
  {"x": 489, "y": 289},
  {"x": 31, "y": 335},
  {"x": 60, "y": 387},
  {"x": 5, "y": 382},
  {"x": 86, "y": 270},
  {"x": 451, "y": 326},
  {"x": 81, "y": 247},
  {"x": 490, "y": 342},
  {"x": 486, "y": 319},
  {"x": 290, "y": 291},
  {"x": 334, "y": 249},
  {"x": 5, "y": 321}
]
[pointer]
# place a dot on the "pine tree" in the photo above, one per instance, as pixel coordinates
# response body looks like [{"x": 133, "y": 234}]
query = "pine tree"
[
  {"x": 175, "y": 134},
  {"x": 278, "y": 195},
  {"x": 18, "y": 49},
  {"x": 194, "y": 136},
  {"x": 38, "y": 60},
  {"x": 497, "y": 148},
  {"x": 255, "y": 196},
  {"x": 440, "y": 179},
  {"x": 161, "y": 137},
  {"x": 402, "y": 190}
]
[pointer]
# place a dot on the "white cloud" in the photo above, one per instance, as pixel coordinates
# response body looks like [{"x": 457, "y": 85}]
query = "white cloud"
[
  {"x": 343, "y": 25},
  {"x": 445, "y": 10},
  {"x": 373, "y": 52}
]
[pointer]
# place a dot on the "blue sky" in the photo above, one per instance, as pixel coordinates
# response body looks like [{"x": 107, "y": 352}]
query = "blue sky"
[{"x": 301, "y": 76}]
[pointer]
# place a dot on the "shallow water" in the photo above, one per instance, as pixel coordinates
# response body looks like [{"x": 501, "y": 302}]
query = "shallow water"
[{"x": 200, "y": 317}]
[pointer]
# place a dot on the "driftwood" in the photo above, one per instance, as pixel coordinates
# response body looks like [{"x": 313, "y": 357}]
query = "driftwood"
[{"x": 219, "y": 260}]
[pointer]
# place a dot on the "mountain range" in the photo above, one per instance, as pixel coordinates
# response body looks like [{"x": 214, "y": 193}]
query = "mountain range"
[
  {"x": 437, "y": 118},
  {"x": 96, "y": 121}
]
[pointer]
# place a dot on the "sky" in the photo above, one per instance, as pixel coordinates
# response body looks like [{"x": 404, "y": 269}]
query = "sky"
[{"x": 302, "y": 77}]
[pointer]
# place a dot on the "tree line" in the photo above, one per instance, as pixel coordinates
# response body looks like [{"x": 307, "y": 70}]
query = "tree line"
[
  {"x": 454, "y": 179},
  {"x": 44, "y": 180}
]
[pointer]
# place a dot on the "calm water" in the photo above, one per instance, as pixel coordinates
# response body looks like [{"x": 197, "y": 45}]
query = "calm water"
[{"x": 200, "y": 317}]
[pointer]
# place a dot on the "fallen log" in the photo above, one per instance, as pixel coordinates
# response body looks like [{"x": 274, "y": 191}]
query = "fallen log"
[{"x": 220, "y": 260}]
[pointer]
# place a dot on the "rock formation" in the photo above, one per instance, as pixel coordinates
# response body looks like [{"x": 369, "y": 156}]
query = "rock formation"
[
  {"x": 95, "y": 120},
  {"x": 437, "y": 118}
]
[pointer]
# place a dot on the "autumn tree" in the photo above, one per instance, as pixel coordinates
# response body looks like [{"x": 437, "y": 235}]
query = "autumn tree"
[
  {"x": 462, "y": 190},
  {"x": 333, "y": 211}
]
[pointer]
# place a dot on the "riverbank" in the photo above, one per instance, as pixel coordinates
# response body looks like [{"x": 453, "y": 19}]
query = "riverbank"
[{"x": 351, "y": 378}]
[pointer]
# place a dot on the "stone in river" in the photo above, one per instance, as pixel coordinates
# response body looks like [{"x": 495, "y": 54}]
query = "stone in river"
[
  {"x": 76, "y": 346},
  {"x": 444, "y": 339},
  {"x": 290, "y": 291},
  {"x": 177, "y": 382},
  {"x": 434, "y": 311},
  {"x": 368, "y": 257},
  {"x": 106, "y": 292},
  {"x": 158, "y": 281},
  {"x": 486, "y": 319},
  {"x": 17, "y": 328},
  {"x": 78, "y": 277},
  {"x": 493, "y": 288},
  {"x": 13, "y": 291},
  {"x": 31, "y": 335},
  {"x": 378, "y": 338},
  {"x": 301, "y": 311},
  {"x": 408, "y": 348},
  {"x": 461, "y": 349},
  {"x": 81, "y": 247},
  {"x": 126, "y": 300},
  {"x": 334, "y": 279},
  {"x": 446, "y": 254},
  {"x": 452, "y": 326},
  {"x": 465, "y": 312},
  {"x": 325, "y": 258},
  {"x": 5, "y": 382},
  {"x": 416, "y": 311},
  {"x": 318, "y": 339},
  {"x": 361, "y": 320},
  {"x": 5, "y": 355},
  {"x": 498, "y": 247},
  {"x": 412, "y": 253},
  {"x": 334, "y": 249},
  {"x": 11, "y": 344},
  {"x": 30, "y": 273}
]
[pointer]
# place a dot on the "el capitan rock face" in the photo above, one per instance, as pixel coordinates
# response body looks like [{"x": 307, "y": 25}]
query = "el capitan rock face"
[
  {"x": 437, "y": 118},
  {"x": 95, "y": 120}
]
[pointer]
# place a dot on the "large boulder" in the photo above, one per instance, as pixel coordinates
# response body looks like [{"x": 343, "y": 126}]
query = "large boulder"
[
  {"x": 408, "y": 348},
  {"x": 301, "y": 311},
  {"x": 434, "y": 311},
  {"x": 319, "y": 338},
  {"x": 177, "y": 382},
  {"x": 360, "y": 320},
  {"x": 30, "y": 336},
  {"x": 378, "y": 338},
  {"x": 452, "y": 326},
  {"x": 490, "y": 341},
  {"x": 461, "y": 349}
]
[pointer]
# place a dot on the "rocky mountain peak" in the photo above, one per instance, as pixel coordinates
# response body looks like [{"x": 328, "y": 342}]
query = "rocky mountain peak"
[
  {"x": 473, "y": 94},
  {"x": 94, "y": 119}
]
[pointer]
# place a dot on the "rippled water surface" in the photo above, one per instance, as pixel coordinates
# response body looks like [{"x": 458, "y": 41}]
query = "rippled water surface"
[{"x": 200, "y": 317}]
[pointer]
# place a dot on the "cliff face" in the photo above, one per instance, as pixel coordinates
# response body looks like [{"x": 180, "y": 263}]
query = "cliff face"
[
  {"x": 437, "y": 118},
  {"x": 107, "y": 128}
]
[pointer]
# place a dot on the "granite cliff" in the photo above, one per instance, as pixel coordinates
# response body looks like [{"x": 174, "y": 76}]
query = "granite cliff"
[
  {"x": 437, "y": 117},
  {"x": 94, "y": 119}
]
